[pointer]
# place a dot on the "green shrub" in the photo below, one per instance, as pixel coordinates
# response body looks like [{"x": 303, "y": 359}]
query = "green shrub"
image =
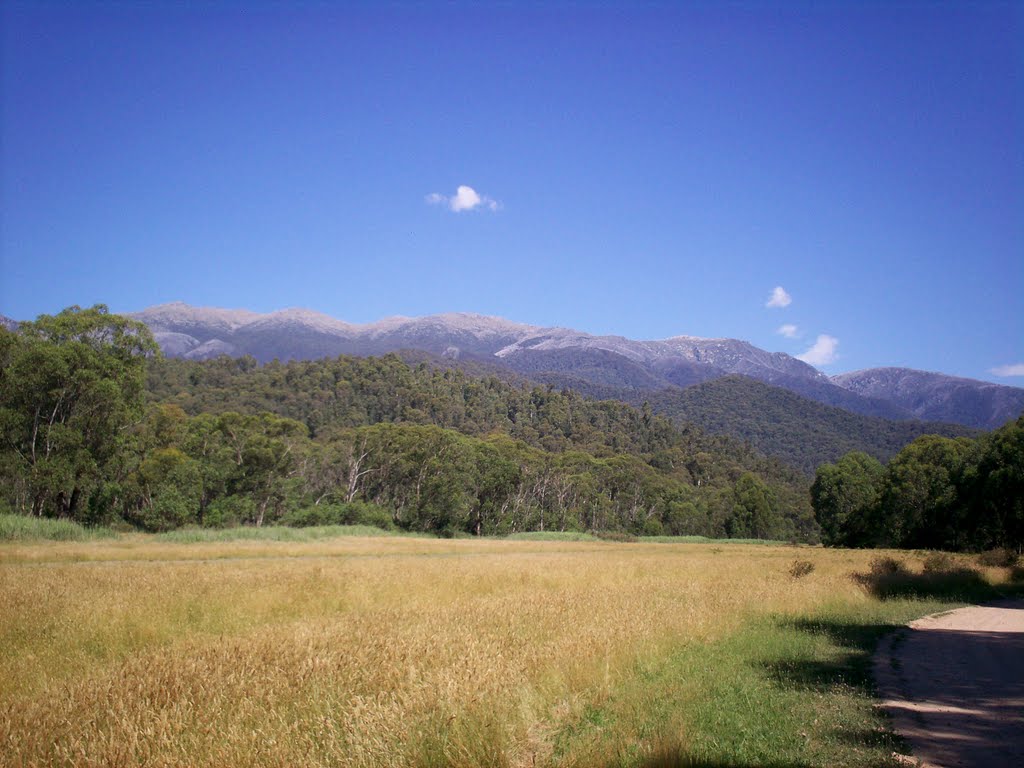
[
  {"x": 653, "y": 527},
  {"x": 352, "y": 513},
  {"x": 614, "y": 536},
  {"x": 169, "y": 510},
  {"x": 229, "y": 512}
]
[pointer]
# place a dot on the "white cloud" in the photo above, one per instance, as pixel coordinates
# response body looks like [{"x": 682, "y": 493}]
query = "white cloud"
[
  {"x": 822, "y": 352},
  {"x": 1017, "y": 369},
  {"x": 789, "y": 331},
  {"x": 779, "y": 298},
  {"x": 465, "y": 199}
]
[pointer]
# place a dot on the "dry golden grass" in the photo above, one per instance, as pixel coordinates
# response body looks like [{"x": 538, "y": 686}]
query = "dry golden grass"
[{"x": 355, "y": 652}]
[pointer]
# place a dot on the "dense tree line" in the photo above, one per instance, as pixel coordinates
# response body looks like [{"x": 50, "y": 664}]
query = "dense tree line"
[
  {"x": 936, "y": 493},
  {"x": 351, "y": 440}
]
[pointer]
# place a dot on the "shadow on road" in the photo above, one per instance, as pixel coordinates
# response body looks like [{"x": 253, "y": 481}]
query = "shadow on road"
[{"x": 957, "y": 693}]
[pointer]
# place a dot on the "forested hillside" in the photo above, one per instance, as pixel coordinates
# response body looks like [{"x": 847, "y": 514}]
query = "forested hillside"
[
  {"x": 801, "y": 432},
  {"x": 353, "y": 440},
  {"x": 798, "y": 431},
  {"x": 547, "y": 426}
]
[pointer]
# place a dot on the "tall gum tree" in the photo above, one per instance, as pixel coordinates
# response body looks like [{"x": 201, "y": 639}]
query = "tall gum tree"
[{"x": 71, "y": 385}]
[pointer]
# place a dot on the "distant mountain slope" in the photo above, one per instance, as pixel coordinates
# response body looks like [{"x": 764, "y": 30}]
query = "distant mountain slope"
[
  {"x": 554, "y": 354},
  {"x": 797, "y": 430},
  {"x": 297, "y": 334},
  {"x": 300, "y": 334},
  {"x": 938, "y": 397},
  {"x": 801, "y": 432},
  {"x": 599, "y": 367}
]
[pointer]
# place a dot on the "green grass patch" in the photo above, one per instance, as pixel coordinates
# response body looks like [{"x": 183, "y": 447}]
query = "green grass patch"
[
  {"x": 24, "y": 528},
  {"x": 275, "y": 533},
  {"x": 782, "y": 691},
  {"x": 551, "y": 536}
]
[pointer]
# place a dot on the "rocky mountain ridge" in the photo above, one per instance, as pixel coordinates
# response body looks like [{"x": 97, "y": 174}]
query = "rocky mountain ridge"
[
  {"x": 931, "y": 396},
  {"x": 562, "y": 353}
]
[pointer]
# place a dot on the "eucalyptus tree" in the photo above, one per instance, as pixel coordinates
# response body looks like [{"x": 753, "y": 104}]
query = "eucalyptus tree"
[{"x": 71, "y": 386}]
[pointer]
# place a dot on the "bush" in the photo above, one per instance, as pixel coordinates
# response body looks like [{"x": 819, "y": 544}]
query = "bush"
[
  {"x": 614, "y": 536},
  {"x": 168, "y": 511},
  {"x": 942, "y": 579},
  {"x": 940, "y": 562},
  {"x": 352, "y": 513},
  {"x": 999, "y": 558},
  {"x": 801, "y": 568},
  {"x": 887, "y": 566},
  {"x": 653, "y": 527},
  {"x": 309, "y": 517},
  {"x": 229, "y": 512}
]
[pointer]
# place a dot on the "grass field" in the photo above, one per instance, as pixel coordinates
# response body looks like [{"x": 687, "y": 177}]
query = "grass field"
[{"x": 395, "y": 651}]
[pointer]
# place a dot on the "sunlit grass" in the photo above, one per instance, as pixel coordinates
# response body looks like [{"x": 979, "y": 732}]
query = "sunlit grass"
[{"x": 398, "y": 651}]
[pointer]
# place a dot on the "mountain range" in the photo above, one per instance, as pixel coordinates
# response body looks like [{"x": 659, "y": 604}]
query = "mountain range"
[{"x": 569, "y": 357}]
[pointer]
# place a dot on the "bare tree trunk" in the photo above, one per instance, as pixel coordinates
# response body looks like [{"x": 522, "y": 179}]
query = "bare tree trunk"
[{"x": 355, "y": 474}]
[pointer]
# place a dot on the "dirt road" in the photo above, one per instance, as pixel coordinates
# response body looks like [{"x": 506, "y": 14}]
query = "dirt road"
[{"x": 954, "y": 685}]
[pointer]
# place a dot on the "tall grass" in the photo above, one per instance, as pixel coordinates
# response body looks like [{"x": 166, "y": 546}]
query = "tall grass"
[
  {"x": 25, "y": 528},
  {"x": 426, "y": 652},
  {"x": 551, "y": 536},
  {"x": 273, "y": 533}
]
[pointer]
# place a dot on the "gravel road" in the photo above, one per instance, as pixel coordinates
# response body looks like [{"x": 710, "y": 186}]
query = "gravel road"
[{"x": 954, "y": 686}]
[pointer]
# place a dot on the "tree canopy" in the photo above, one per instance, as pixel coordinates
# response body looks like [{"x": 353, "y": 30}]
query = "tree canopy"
[
  {"x": 71, "y": 386},
  {"x": 936, "y": 493}
]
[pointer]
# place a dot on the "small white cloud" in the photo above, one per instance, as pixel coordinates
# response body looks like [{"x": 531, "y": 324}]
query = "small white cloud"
[
  {"x": 465, "y": 199},
  {"x": 822, "y": 352},
  {"x": 1016, "y": 369},
  {"x": 779, "y": 298},
  {"x": 789, "y": 331}
]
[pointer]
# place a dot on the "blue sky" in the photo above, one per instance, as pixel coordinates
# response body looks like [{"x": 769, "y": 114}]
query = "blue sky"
[{"x": 645, "y": 169}]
